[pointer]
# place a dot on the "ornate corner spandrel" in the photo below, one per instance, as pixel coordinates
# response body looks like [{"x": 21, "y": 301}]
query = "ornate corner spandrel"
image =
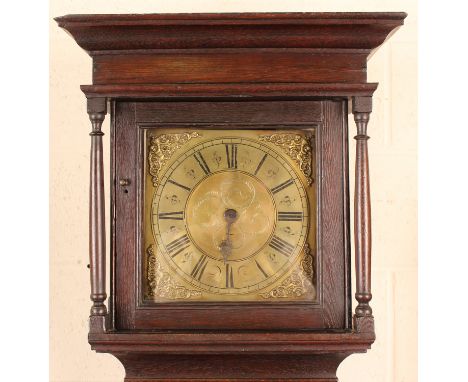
[
  {"x": 307, "y": 263},
  {"x": 298, "y": 283},
  {"x": 161, "y": 284},
  {"x": 161, "y": 149},
  {"x": 298, "y": 148}
]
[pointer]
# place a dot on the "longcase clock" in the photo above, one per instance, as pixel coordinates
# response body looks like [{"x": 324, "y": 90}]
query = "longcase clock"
[{"x": 230, "y": 246}]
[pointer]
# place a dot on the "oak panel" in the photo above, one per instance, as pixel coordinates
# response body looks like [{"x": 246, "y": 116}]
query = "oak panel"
[{"x": 236, "y": 66}]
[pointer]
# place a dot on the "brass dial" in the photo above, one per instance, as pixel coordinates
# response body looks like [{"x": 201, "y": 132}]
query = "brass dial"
[{"x": 230, "y": 216}]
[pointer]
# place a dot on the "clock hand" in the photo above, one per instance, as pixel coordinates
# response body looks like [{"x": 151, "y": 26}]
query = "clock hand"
[
  {"x": 230, "y": 216},
  {"x": 225, "y": 248}
]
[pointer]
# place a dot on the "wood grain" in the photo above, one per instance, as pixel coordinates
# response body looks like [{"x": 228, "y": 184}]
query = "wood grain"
[
  {"x": 331, "y": 254},
  {"x": 232, "y": 91},
  {"x": 247, "y": 368},
  {"x": 231, "y": 342},
  {"x": 232, "y": 113},
  {"x": 218, "y": 67},
  {"x": 125, "y": 216},
  {"x": 96, "y": 33}
]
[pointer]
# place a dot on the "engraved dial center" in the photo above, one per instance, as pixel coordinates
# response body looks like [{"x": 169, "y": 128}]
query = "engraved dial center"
[{"x": 230, "y": 215}]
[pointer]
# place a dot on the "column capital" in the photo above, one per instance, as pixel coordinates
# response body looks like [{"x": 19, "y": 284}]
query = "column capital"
[
  {"x": 362, "y": 105},
  {"x": 96, "y": 105}
]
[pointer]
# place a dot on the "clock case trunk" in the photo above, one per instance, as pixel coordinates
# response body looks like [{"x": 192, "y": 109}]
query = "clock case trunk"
[
  {"x": 169, "y": 68},
  {"x": 327, "y": 119}
]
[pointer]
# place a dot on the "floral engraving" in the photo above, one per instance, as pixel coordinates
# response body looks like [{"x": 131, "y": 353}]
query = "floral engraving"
[
  {"x": 287, "y": 201},
  {"x": 298, "y": 282},
  {"x": 298, "y": 148},
  {"x": 161, "y": 284},
  {"x": 161, "y": 149}
]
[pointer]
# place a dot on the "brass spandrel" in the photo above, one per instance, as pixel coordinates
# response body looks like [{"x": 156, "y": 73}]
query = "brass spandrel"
[
  {"x": 297, "y": 147},
  {"x": 161, "y": 284},
  {"x": 162, "y": 147},
  {"x": 298, "y": 283}
]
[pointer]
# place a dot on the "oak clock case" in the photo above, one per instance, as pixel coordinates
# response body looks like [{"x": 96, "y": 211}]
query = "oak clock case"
[{"x": 230, "y": 248}]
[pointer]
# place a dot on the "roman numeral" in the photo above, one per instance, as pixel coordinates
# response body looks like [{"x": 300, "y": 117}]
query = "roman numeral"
[
  {"x": 282, "y": 186},
  {"x": 229, "y": 277},
  {"x": 180, "y": 251},
  {"x": 201, "y": 161},
  {"x": 200, "y": 266},
  {"x": 231, "y": 155},
  {"x": 261, "y": 269},
  {"x": 290, "y": 216},
  {"x": 179, "y": 185},
  {"x": 172, "y": 215},
  {"x": 177, "y": 244},
  {"x": 281, "y": 246},
  {"x": 260, "y": 164}
]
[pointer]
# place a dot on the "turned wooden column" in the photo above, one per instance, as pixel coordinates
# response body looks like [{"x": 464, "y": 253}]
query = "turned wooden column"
[
  {"x": 362, "y": 107},
  {"x": 97, "y": 234}
]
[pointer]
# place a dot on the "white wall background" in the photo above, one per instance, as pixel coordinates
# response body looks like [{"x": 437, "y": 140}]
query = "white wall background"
[{"x": 393, "y": 154}]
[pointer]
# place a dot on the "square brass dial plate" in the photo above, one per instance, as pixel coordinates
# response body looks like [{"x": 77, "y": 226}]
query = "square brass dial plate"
[{"x": 229, "y": 215}]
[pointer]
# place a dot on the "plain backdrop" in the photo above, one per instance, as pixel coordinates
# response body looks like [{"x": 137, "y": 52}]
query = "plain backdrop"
[{"x": 393, "y": 167}]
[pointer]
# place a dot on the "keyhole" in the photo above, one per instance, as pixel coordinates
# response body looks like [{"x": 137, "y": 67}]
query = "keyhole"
[{"x": 123, "y": 183}]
